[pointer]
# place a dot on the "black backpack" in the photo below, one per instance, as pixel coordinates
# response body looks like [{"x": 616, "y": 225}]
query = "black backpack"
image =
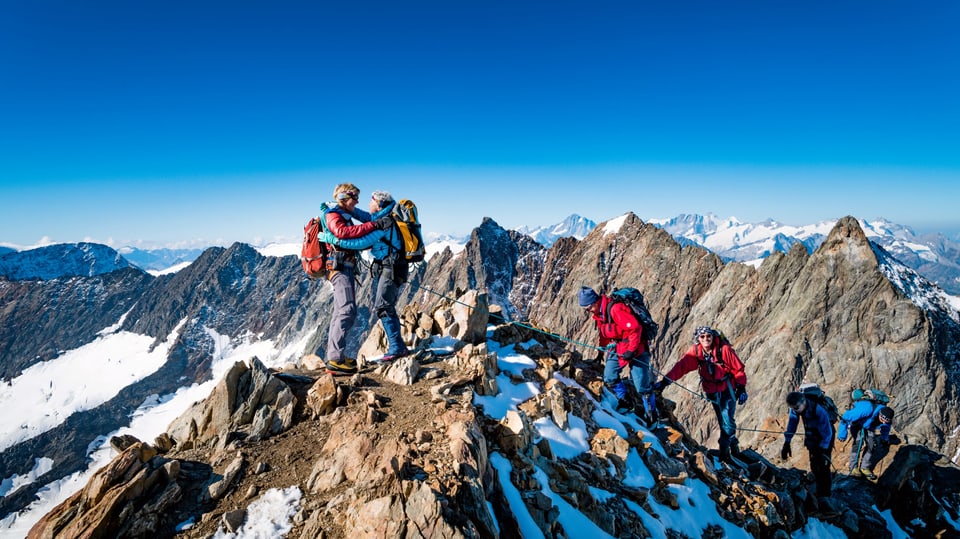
[
  {"x": 813, "y": 392},
  {"x": 632, "y": 298}
]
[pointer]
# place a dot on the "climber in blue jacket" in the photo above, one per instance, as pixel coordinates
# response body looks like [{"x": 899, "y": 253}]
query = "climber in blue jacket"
[{"x": 868, "y": 426}]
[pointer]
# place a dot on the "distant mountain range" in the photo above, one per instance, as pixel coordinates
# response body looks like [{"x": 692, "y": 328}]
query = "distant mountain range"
[
  {"x": 61, "y": 260},
  {"x": 571, "y": 227},
  {"x": 159, "y": 260},
  {"x": 932, "y": 255}
]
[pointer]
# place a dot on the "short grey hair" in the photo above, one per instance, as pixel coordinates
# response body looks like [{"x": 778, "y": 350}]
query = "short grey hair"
[{"x": 383, "y": 198}]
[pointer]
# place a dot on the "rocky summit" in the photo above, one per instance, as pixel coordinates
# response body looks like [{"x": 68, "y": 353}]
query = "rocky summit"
[{"x": 411, "y": 450}]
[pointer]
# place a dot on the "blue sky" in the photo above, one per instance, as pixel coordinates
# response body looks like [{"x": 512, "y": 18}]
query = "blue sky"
[{"x": 206, "y": 122}]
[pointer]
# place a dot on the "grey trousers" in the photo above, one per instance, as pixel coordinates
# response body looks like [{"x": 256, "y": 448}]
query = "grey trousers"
[{"x": 344, "y": 314}]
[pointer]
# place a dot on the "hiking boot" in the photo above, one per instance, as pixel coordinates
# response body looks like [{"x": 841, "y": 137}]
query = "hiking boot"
[
  {"x": 868, "y": 474},
  {"x": 343, "y": 366},
  {"x": 856, "y": 472},
  {"x": 392, "y": 357}
]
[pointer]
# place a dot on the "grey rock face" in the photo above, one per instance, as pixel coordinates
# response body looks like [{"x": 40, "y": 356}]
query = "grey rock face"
[{"x": 832, "y": 317}]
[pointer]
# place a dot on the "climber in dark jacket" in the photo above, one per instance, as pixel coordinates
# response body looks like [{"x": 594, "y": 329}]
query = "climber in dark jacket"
[{"x": 817, "y": 438}]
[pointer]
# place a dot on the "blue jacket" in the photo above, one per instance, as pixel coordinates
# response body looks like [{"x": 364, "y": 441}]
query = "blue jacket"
[
  {"x": 817, "y": 430},
  {"x": 866, "y": 415},
  {"x": 378, "y": 241},
  {"x": 388, "y": 240}
]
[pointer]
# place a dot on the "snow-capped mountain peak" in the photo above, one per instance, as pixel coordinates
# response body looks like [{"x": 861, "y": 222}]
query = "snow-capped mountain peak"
[
  {"x": 573, "y": 226},
  {"x": 61, "y": 260}
]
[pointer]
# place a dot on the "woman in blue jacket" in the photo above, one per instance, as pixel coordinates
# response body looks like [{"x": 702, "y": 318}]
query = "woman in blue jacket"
[{"x": 868, "y": 425}]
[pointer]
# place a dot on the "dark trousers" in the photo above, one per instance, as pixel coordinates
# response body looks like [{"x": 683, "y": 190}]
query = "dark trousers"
[
  {"x": 820, "y": 466},
  {"x": 876, "y": 450}
]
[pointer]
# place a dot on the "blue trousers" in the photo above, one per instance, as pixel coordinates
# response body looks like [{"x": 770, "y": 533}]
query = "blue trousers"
[
  {"x": 639, "y": 374},
  {"x": 725, "y": 406},
  {"x": 387, "y": 289}
]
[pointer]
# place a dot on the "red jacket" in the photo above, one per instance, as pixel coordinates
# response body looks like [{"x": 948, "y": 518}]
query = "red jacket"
[
  {"x": 340, "y": 225},
  {"x": 714, "y": 376},
  {"x": 622, "y": 328}
]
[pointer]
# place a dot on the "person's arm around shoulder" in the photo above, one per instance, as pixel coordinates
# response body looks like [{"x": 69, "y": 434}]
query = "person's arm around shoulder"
[
  {"x": 339, "y": 227},
  {"x": 361, "y": 215}
]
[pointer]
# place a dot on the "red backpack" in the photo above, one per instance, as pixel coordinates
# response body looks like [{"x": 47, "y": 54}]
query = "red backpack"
[{"x": 313, "y": 254}]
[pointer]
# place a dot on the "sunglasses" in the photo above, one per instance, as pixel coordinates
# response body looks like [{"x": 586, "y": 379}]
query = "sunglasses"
[{"x": 348, "y": 195}]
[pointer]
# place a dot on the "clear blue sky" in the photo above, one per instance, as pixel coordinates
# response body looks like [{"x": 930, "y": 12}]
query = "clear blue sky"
[{"x": 174, "y": 121}]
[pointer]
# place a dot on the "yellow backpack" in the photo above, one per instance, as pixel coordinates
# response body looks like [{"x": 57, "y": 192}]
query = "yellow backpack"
[{"x": 407, "y": 218}]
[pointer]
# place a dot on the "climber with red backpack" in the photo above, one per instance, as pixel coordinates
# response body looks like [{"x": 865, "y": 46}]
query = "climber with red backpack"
[
  {"x": 622, "y": 335},
  {"x": 722, "y": 377},
  {"x": 341, "y": 269}
]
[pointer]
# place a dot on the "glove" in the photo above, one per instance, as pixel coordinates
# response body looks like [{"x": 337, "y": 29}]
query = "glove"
[
  {"x": 741, "y": 395},
  {"x": 660, "y": 384},
  {"x": 600, "y": 356},
  {"x": 894, "y": 439},
  {"x": 383, "y": 223},
  {"x": 627, "y": 356},
  {"x": 842, "y": 437},
  {"x": 785, "y": 452}
]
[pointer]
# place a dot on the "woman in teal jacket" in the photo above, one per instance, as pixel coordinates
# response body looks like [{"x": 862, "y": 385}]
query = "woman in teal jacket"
[{"x": 389, "y": 270}]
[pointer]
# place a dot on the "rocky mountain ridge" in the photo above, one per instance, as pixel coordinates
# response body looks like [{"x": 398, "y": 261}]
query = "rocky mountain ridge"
[
  {"x": 809, "y": 311},
  {"x": 574, "y": 226},
  {"x": 404, "y": 451}
]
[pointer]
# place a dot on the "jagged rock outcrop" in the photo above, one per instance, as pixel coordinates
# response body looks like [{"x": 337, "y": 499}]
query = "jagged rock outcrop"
[
  {"x": 248, "y": 403},
  {"x": 504, "y": 264}
]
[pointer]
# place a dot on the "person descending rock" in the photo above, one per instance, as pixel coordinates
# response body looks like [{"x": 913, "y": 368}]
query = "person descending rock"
[
  {"x": 723, "y": 380},
  {"x": 862, "y": 423},
  {"x": 817, "y": 438},
  {"x": 341, "y": 266},
  {"x": 619, "y": 327}
]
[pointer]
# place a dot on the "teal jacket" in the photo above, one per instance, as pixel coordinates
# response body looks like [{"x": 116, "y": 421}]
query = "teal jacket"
[{"x": 380, "y": 242}]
